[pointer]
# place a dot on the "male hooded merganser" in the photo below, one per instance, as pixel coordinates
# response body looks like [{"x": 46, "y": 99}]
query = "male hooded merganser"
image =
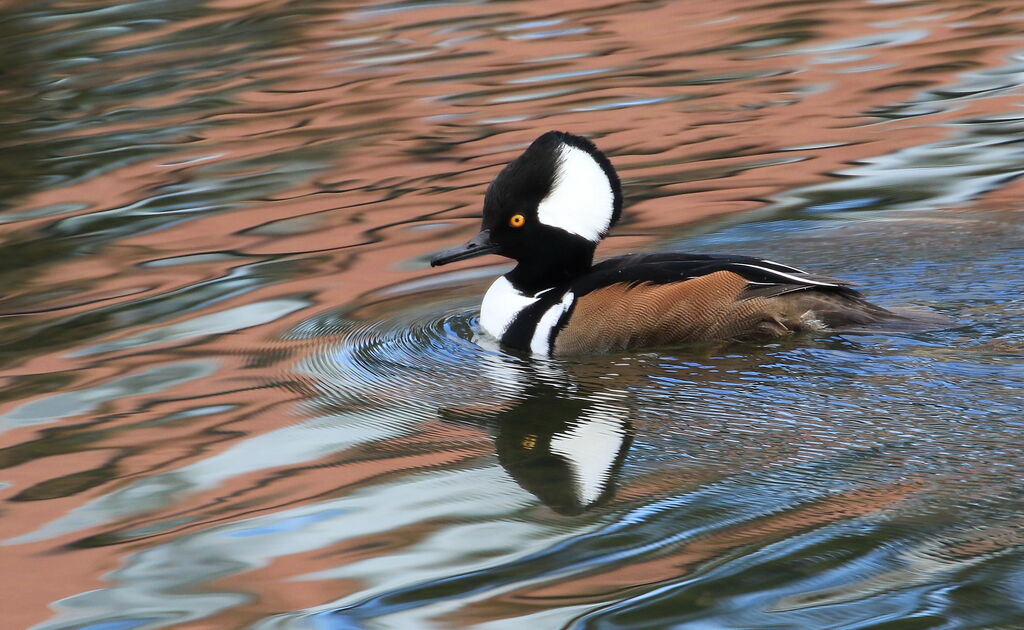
[{"x": 549, "y": 208}]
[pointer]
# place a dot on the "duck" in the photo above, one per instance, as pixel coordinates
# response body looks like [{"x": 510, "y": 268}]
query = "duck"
[{"x": 548, "y": 209}]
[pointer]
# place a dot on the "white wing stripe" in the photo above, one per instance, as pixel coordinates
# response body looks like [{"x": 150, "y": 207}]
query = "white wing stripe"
[
  {"x": 788, "y": 276},
  {"x": 786, "y": 267}
]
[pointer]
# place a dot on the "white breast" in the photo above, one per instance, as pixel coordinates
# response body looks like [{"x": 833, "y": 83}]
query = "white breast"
[{"x": 501, "y": 304}]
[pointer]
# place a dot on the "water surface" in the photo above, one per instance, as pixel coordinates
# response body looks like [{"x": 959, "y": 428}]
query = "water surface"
[{"x": 234, "y": 395}]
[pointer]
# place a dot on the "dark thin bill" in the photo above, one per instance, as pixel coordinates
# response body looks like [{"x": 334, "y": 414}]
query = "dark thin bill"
[{"x": 476, "y": 246}]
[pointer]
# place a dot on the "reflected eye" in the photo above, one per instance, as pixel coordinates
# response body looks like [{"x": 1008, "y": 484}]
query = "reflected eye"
[{"x": 517, "y": 220}]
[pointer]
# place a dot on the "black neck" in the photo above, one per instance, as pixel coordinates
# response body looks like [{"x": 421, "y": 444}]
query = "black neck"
[{"x": 555, "y": 269}]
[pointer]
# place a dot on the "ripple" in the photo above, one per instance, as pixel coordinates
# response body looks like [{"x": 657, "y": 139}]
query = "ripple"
[{"x": 403, "y": 361}]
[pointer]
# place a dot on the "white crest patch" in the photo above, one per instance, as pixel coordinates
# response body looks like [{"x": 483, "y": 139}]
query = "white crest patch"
[
  {"x": 581, "y": 200},
  {"x": 541, "y": 341},
  {"x": 501, "y": 304}
]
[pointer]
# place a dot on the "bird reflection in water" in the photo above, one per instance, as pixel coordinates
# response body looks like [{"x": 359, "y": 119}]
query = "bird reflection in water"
[{"x": 560, "y": 437}]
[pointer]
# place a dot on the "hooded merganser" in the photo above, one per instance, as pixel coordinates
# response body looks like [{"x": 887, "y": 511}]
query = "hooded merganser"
[{"x": 549, "y": 208}]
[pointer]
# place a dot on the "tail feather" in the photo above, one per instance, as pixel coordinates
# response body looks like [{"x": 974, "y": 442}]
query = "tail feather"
[
  {"x": 847, "y": 311},
  {"x": 900, "y": 320}
]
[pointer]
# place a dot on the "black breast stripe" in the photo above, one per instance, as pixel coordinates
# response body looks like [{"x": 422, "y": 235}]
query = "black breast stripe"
[
  {"x": 520, "y": 332},
  {"x": 764, "y": 274}
]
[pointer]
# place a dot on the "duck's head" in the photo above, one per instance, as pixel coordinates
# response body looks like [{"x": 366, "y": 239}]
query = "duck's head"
[{"x": 550, "y": 206}]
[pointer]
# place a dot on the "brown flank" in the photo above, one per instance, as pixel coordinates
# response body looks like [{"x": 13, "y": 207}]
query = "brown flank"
[{"x": 717, "y": 306}]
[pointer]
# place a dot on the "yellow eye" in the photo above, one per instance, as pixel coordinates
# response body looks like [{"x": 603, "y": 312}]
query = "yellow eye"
[{"x": 517, "y": 220}]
